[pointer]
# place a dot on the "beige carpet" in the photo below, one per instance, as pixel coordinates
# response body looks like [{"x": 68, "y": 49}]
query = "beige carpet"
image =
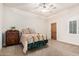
[{"x": 54, "y": 48}]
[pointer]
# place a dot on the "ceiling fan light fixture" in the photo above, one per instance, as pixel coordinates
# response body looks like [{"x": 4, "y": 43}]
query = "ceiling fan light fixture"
[{"x": 46, "y": 7}]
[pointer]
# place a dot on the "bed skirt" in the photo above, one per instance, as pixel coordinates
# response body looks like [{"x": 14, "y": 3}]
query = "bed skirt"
[{"x": 37, "y": 44}]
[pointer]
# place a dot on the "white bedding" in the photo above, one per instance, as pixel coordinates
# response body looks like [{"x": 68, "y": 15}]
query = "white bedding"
[{"x": 30, "y": 38}]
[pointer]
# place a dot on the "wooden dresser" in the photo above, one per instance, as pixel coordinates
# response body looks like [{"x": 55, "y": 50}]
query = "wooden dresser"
[{"x": 12, "y": 37}]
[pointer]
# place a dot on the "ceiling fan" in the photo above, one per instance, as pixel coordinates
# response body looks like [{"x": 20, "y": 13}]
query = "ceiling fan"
[{"x": 45, "y": 7}]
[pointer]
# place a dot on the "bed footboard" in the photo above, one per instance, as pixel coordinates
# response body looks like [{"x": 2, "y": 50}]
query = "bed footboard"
[{"x": 37, "y": 44}]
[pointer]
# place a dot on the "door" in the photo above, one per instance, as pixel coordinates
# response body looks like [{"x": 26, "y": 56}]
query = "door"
[{"x": 53, "y": 31}]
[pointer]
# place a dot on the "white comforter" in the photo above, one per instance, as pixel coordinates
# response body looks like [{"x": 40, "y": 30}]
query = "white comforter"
[{"x": 30, "y": 38}]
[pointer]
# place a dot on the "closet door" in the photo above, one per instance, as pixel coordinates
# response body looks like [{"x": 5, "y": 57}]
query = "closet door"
[{"x": 53, "y": 31}]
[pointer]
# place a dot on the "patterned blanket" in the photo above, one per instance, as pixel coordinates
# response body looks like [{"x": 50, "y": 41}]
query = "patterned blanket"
[{"x": 30, "y": 38}]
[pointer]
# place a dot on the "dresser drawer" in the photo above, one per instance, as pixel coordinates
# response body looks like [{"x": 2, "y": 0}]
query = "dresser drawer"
[{"x": 12, "y": 37}]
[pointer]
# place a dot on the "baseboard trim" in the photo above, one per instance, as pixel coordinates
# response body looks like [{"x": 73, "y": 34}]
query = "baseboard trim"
[{"x": 71, "y": 43}]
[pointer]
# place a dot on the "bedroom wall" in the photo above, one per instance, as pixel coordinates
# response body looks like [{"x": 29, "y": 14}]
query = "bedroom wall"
[
  {"x": 1, "y": 25},
  {"x": 22, "y": 19},
  {"x": 62, "y": 19}
]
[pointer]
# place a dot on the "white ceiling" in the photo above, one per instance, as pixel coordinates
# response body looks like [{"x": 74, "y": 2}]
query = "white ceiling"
[{"x": 31, "y": 7}]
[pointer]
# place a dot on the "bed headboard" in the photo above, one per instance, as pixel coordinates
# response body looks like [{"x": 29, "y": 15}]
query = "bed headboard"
[{"x": 28, "y": 31}]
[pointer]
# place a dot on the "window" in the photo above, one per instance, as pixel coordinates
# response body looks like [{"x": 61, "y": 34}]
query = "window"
[{"x": 73, "y": 27}]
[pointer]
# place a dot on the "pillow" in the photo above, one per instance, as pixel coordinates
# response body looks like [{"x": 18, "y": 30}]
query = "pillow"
[{"x": 26, "y": 31}]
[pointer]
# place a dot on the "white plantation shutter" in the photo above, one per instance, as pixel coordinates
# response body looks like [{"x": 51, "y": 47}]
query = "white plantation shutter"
[{"x": 73, "y": 27}]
